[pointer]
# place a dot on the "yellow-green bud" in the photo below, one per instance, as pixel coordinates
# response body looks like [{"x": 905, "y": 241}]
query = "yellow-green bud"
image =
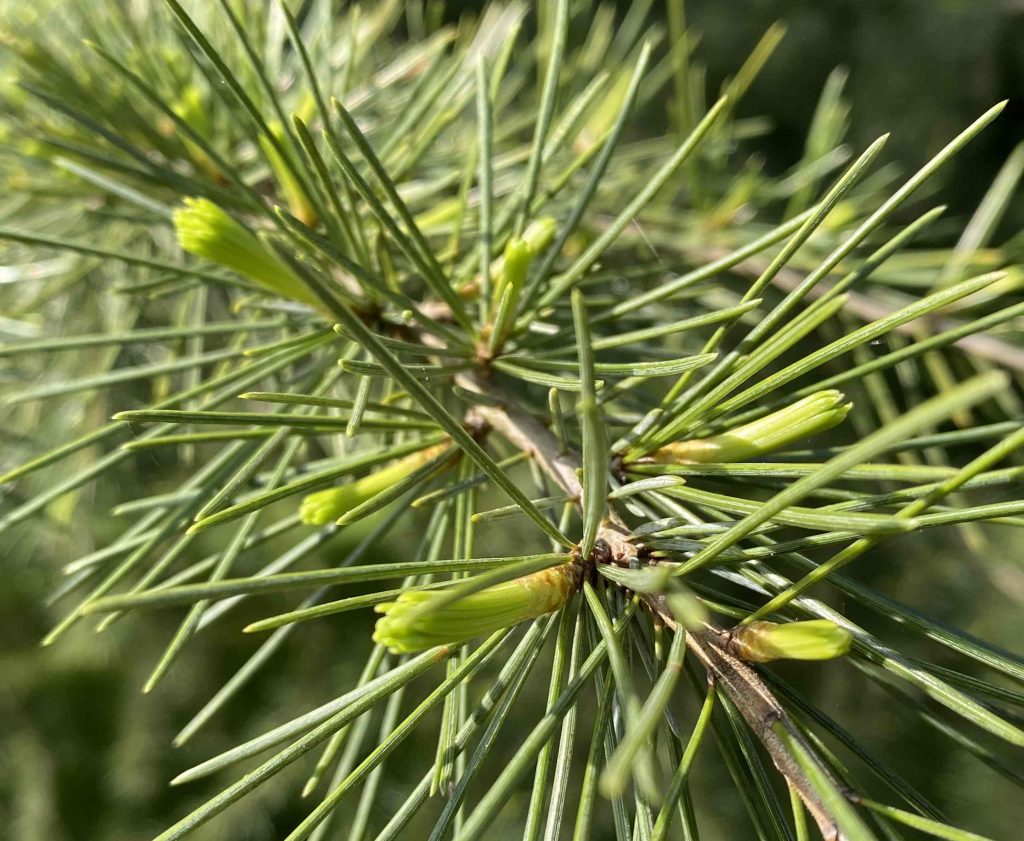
[
  {"x": 505, "y": 300},
  {"x": 539, "y": 234},
  {"x": 439, "y": 214},
  {"x": 762, "y": 642},
  {"x": 410, "y": 624},
  {"x": 602, "y": 116},
  {"x": 206, "y": 230},
  {"x": 841, "y": 216},
  {"x": 191, "y": 108},
  {"x": 307, "y": 107},
  {"x": 515, "y": 263},
  {"x": 813, "y": 414},
  {"x": 291, "y": 190},
  {"x": 322, "y": 507},
  {"x": 511, "y": 268}
]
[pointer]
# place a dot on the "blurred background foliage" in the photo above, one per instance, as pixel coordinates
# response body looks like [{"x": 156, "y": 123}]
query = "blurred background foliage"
[
  {"x": 917, "y": 68},
  {"x": 84, "y": 756}
]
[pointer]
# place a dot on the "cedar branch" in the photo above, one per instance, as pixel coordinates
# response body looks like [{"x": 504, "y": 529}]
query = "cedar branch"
[{"x": 755, "y": 701}]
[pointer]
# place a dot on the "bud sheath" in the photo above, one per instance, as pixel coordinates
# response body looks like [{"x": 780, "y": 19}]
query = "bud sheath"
[
  {"x": 762, "y": 642},
  {"x": 813, "y": 414},
  {"x": 326, "y": 506},
  {"x": 206, "y": 230},
  {"x": 515, "y": 263},
  {"x": 292, "y": 191},
  {"x": 411, "y": 623}
]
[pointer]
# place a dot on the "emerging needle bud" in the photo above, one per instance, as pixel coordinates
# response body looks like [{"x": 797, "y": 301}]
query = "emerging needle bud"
[
  {"x": 521, "y": 251},
  {"x": 322, "y": 507},
  {"x": 762, "y": 642},
  {"x": 411, "y": 623},
  {"x": 539, "y": 234},
  {"x": 291, "y": 190},
  {"x": 511, "y": 276},
  {"x": 192, "y": 109},
  {"x": 602, "y": 116},
  {"x": 206, "y": 230},
  {"x": 813, "y": 414}
]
